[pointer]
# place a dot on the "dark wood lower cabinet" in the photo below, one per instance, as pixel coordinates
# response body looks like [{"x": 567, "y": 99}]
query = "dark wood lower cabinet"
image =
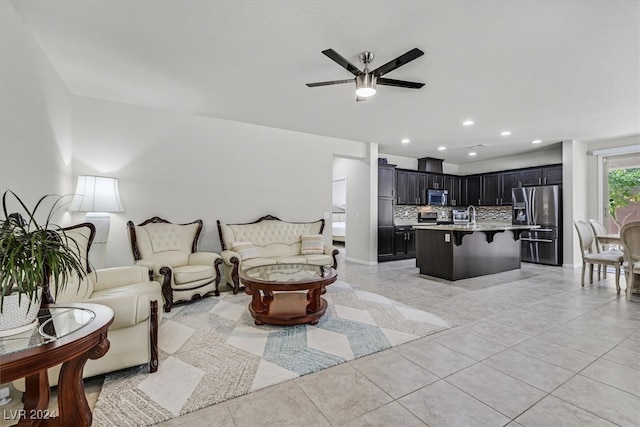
[
  {"x": 404, "y": 243},
  {"x": 385, "y": 244},
  {"x": 396, "y": 243}
]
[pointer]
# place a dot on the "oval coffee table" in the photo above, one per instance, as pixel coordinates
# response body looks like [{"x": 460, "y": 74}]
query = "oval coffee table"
[{"x": 276, "y": 292}]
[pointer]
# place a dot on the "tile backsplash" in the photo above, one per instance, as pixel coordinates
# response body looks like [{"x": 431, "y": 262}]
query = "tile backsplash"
[{"x": 483, "y": 213}]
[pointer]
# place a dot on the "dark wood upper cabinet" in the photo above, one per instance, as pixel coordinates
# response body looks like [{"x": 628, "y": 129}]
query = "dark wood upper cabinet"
[
  {"x": 386, "y": 180},
  {"x": 490, "y": 190},
  {"x": 402, "y": 178},
  {"x": 422, "y": 188},
  {"x": 407, "y": 187},
  {"x": 453, "y": 185},
  {"x": 552, "y": 175},
  {"x": 508, "y": 181},
  {"x": 474, "y": 190},
  {"x": 435, "y": 181},
  {"x": 530, "y": 177},
  {"x": 411, "y": 187},
  {"x": 545, "y": 175}
]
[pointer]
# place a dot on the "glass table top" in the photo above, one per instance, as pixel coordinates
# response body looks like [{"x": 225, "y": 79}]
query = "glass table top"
[
  {"x": 288, "y": 272},
  {"x": 51, "y": 325}
]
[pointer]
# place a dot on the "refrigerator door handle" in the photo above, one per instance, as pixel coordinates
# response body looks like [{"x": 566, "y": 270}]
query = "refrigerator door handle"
[
  {"x": 536, "y": 240},
  {"x": 542, "y": 229},
  {"x": 534, "y": 216}
]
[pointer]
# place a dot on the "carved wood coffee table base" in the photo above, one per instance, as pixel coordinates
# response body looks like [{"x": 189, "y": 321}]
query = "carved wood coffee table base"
[
  {"x": 274, "y": 299},
  {"x": 287, "y": 308}
]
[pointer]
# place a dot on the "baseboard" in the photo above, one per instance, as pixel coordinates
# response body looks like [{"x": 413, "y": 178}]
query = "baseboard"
[
  {"x": 574, "y": 266},
  {"x": 360, "y": 261}
]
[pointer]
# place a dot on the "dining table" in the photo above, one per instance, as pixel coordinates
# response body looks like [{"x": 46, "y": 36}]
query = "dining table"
[{"x": 609, "y": 239}]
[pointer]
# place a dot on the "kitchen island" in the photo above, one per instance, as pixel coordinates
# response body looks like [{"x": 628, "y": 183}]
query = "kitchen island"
[{"x": 454, "y": 252}]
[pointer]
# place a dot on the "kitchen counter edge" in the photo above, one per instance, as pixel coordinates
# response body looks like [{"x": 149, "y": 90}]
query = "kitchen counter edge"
[{"x": 477, "y": 227}]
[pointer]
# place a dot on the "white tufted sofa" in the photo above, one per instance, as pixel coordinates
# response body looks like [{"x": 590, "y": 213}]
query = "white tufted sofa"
[
  {"x": 276, "y": 242},
  {"x": 170, "y": 251}
]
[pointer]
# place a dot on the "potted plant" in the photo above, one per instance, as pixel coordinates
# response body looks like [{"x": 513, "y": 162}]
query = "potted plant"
[{"x": 35, "y": 257}]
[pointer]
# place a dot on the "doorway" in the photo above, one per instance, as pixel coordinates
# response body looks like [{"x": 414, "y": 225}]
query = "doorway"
[{"x": 339, "y": 215}]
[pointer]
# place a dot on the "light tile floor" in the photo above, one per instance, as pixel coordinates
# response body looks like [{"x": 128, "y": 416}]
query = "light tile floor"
[{"x": 533, "y": 348}]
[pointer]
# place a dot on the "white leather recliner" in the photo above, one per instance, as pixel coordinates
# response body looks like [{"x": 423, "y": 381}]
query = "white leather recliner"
[
  {"x": 132, "y": 296},
  {"x": 170, "y": 251}
]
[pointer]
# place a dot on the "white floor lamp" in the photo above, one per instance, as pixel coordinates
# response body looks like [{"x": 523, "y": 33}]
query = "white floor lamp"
[{"x": 97, "y": 195}]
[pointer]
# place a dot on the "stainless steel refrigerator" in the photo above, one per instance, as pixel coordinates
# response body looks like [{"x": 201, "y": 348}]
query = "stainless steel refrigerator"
[{"x": 539, "y": 206}]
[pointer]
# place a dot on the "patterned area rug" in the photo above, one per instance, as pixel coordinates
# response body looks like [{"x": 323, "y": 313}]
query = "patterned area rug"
[{"x": 211, "y": 351}]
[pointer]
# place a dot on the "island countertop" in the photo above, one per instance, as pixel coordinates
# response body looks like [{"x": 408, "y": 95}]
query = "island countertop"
[{"x": 477, "y": 227}]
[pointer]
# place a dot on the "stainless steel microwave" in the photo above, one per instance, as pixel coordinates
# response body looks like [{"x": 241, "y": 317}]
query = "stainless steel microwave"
[{"x": 437, "y": 197}]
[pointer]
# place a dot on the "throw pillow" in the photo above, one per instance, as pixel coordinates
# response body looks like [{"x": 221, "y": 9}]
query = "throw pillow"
[
  {"x": 245, "y": 250},
  {"x": 312, "y": 244}
]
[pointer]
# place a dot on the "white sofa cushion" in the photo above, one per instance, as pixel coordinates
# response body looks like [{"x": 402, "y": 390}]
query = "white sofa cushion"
[
  {"x": 312, "y": 244},
  {"x": 192, "y": 273},
  {"x": 245, "y": 249}
]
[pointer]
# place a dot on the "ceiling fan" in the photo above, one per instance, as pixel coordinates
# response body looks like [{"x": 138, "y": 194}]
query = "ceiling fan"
[{"x": 366, "y": 80}]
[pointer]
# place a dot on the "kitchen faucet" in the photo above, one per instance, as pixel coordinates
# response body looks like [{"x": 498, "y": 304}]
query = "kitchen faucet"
[{"x": 469, "y": 209}]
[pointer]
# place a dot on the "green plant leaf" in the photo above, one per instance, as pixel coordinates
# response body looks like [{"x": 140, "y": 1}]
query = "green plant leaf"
[{"x": 34, "y": 254}]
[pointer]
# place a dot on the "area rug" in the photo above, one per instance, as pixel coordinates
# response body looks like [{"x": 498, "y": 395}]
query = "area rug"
[{"x": 211, "y": 351}]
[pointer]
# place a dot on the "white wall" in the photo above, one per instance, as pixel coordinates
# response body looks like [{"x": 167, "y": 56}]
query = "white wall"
[
  {"x": 182, "y": 167},
  {"x": 35, "y": 119},
  {"x": 535, "y": 158},
  {"x": 548, "y": 156},
  {"x": 359, "y": 238},
  {"x": 574, "y": 198}
]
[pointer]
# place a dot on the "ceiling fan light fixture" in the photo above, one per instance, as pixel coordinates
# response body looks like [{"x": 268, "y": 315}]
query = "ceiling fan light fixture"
[{"x": 365, "y": 85}]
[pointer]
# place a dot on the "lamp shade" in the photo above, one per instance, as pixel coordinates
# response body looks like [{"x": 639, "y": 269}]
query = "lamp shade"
[{"x": 96, "y": 194}]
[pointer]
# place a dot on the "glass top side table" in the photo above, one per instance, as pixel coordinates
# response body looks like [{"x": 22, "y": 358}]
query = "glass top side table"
[{"x": 70, "y": 334}]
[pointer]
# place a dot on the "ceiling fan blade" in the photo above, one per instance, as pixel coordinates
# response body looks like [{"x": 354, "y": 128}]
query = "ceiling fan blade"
[
  {"x": 343, "y": 62},
  {"x": 398, "y": 62},
  {"x": 331, "y": 82},
  {"x": 360, "y": 98},
  {"x": 399, "y": 83}
]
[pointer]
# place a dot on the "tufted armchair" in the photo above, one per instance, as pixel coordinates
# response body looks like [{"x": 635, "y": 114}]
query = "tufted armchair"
[
  {"x": 132, "y": 296},
  {"x": 170, "y": 251}
]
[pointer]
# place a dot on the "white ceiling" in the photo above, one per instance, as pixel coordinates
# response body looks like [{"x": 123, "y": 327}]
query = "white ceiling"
[{"x": 549, "y": 70}]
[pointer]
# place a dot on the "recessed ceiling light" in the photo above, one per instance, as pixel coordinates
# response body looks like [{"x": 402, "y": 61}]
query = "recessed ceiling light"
[
  {"x": 472, "y": 153},
  {"x": 467, "y": 123},
  {"x": 405, "y": 140},
  {"x": 536, "y": 141},
  {"x": 506, "y": 133},
  {"x": 442, "y": 148}
]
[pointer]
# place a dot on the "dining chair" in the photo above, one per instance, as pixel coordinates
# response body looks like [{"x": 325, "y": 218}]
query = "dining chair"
[
  {"x": 630, "y": 238},
  {"x": 614, "y": 258},
  {"x": 599, "y": 229}
]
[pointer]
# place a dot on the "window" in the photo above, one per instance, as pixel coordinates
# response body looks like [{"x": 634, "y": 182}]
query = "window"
[{"x": 621, "y": 189}]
